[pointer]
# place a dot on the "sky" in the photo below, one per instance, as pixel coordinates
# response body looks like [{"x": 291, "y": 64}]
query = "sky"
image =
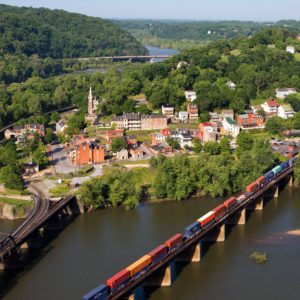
[{"x": 255, "y": 10}]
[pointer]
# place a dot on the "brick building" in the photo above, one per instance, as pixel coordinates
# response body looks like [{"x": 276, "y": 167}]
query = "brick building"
[
  {"x": 113, "y": 134},
  {"x": 192, "y": 110},
  {"x": 249, "y": 121},
  {"x": 151, "y": 122}
]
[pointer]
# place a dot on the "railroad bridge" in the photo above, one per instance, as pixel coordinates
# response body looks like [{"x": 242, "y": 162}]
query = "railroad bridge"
[
  {"x": 46, "y": 215},
  {"x": 130, "y": 58},
  {"x": 191, "y": 250}
]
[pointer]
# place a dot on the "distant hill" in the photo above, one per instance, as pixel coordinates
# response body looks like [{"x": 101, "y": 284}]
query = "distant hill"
[{"x": 60, "y": 34}]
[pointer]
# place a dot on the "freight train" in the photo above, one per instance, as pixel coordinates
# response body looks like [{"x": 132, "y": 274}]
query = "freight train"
[{"x": 154, "y": 257}]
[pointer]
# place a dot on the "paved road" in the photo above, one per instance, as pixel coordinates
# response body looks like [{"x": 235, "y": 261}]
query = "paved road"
[{"x": 62, "y": 163}]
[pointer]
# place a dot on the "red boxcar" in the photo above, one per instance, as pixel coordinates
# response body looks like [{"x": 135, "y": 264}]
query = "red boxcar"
[
  {"x": 118, "y": 279},
  {"x": 174, "y": 240},
  {"x": 158, "y": 252},
  {"x": 261, "y": 181},
  {"x": 207, "y": 218},
  {"x": 252, "y": 187},
  {"x": 220, "y": 211},
  {"x": 230, "y": 202}
]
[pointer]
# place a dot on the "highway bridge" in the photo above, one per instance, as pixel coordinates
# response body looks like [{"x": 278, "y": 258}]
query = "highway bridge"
[
  {"x": 190, "y": 250},
  {"x": 29, "y": 231}
]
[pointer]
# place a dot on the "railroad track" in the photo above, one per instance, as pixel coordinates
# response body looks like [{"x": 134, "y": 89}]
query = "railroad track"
[{"x": 27, "y": 227}]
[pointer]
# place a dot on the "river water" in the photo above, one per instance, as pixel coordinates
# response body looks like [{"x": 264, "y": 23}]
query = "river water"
[{"x": 96, "y": 245}]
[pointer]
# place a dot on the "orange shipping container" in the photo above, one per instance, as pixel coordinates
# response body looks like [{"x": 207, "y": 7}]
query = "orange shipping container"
[
  {"x": 139, "y": 265},
  {"x": 251, "y": 188}
]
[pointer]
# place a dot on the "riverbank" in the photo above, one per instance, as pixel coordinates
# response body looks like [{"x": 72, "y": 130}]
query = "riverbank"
[{"x": 14, "y": 209}]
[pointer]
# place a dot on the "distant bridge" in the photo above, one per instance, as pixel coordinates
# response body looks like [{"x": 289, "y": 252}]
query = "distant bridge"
[{"x": 127, "y": 57}]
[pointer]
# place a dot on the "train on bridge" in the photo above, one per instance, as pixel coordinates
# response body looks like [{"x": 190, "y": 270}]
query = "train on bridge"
[{"x": 149, "y": 261}]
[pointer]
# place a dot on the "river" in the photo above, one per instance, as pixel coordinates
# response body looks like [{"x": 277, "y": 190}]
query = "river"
[
  {"x": 96, "y": 245},
  {"x": 161, "y": 51}
]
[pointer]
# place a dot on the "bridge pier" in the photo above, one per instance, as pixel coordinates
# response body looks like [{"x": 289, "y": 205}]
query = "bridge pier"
[
  {"x": 192, "y": 254},
  {"x": 12, "y": 262},
  {"x": 217, "y": 235},
  {"x": 238, "y": 218},
  {"x": 54, "y": 223},
  {"x": 291, "y": 180},
  {"x": 162, "y": 277},
  {"x": 257, "y": 204}
]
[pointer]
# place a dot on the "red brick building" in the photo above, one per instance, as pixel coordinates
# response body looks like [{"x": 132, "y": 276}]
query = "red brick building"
[
  {"x": 87, "y": 153},
  {"x": 151, "y": 122},
  {"x": 113, "y": 134},
  {"x": 250, "y": 121},
  {"x": 192, "y": 110}
]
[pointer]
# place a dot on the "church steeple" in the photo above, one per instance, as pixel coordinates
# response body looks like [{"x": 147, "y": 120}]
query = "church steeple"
[{"x": 90, "y": 94}]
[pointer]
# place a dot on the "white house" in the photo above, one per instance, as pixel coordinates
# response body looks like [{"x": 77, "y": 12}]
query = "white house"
[
  {"x": 167, "y": 110},
  {"x": 282, "y": 93},
  {"x": 190, "y": 95},
  {"x": 61, "y": 126},
  {"x": 183, "y": 116},
  {"x": 285, "y": 111},
  {"x": 270, "y": 107},
  {"x": 231, "y": 85},
  {"x": 231, "y": 126},
  {"x": 184, "y": 139},
  {"x": 290, "y": 49}
]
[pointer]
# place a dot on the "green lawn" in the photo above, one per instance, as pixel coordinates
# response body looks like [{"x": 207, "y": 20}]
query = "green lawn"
[
  {"x": 136, "y": 162},
  {"x": 297, "y": 56},
  {"x": 183, "y": 125},
  {"x": 15, "y": 201},
  {"x": 255, "y": 102},
  {"x": 10, "y": 192}
]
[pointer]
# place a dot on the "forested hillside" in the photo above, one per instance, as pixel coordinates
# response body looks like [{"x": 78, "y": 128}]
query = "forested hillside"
[
  {"x": 188, "y": 34},
  {"x": 257, "y": 66},
  {"x": 60, "y": 34}
]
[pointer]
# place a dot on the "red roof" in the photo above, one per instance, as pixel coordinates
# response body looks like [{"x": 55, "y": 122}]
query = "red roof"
[
  {"x": 205, "y": 124},
  {"x": 272, "y": 103}
]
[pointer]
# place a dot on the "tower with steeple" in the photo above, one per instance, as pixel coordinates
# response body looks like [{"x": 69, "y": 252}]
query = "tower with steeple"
[{"x": 92, "y": 106}]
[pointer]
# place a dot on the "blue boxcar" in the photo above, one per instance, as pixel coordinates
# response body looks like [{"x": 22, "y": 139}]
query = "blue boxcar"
[
  {"x": 192, "y": 229},
  {"x": 99, "y": 293},
  {"x": 285, "y": 165},
  {"x": 269, "y": 176}
]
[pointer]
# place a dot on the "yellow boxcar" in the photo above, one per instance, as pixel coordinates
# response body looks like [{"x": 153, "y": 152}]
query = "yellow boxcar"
[{"x": 139, "y": 265}]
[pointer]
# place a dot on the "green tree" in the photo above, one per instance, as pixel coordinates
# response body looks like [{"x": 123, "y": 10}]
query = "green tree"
[
  {"x": 197, "y": 146},
  {"x": 225, "y": 145},
  {"x": 275, "y": 125},
  {"x": 173, "y": 143},
  {"x": 118, "y": 144},
  {"x": 245, "y": 141},
  {"x": 55, "y": 117},
  {"x": 39, "y": 156},
  {"x": 212, "y": 148},
  {"x": 11, "y": 178},
  {"x": 49, "y": 135}
]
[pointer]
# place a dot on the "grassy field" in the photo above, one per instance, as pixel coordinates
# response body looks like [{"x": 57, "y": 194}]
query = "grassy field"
[
  {"x": 255, "y": 102},
  {"x": 183, "y": 126},
  {"x": 10, "y": 192},
  {"x": 17, "y": 202},
  {"x": 127, "y": 162}
]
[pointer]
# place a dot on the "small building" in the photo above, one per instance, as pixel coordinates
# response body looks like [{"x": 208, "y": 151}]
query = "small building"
[
  {"x": 132, "y": 140},
  {"x": 270, "y": 107},
  {"x": 61, "y": 126},
  {"x": 30, "y": 168},
  {"x": 166, "y": 131},
  {"x": 152, "y": 122},
  {"x": 122, "y": 155},
  {"x": 250, "y": 121},
  {"x": 190, "y": 96},
  {"x": 158, "y": 138},
  {"x": 168, "y": 110},
  {"x": 285, "y": 111},
  {"x": 206, "y": 127},
  {"x": 284, "y": 92},
  {"x": 113, "y": 134},
  {"x": 192, "y": 110},
  {"x": 183, "y": 116},
  {"x": 215, "y": 117},
  {"x": 137, "y": 153},
  {"x": 163, "y": 148},
  {"x": 291, "y": 49},
  {"x": 231, "y": 85},
  {"x": 231, "y": 127},
  {"x": 184, "y": 139},
  {"x": 228, "y": 113}
]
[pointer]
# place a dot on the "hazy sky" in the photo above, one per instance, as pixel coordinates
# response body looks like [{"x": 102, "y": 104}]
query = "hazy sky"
[{"x": 257, "y": 10}]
